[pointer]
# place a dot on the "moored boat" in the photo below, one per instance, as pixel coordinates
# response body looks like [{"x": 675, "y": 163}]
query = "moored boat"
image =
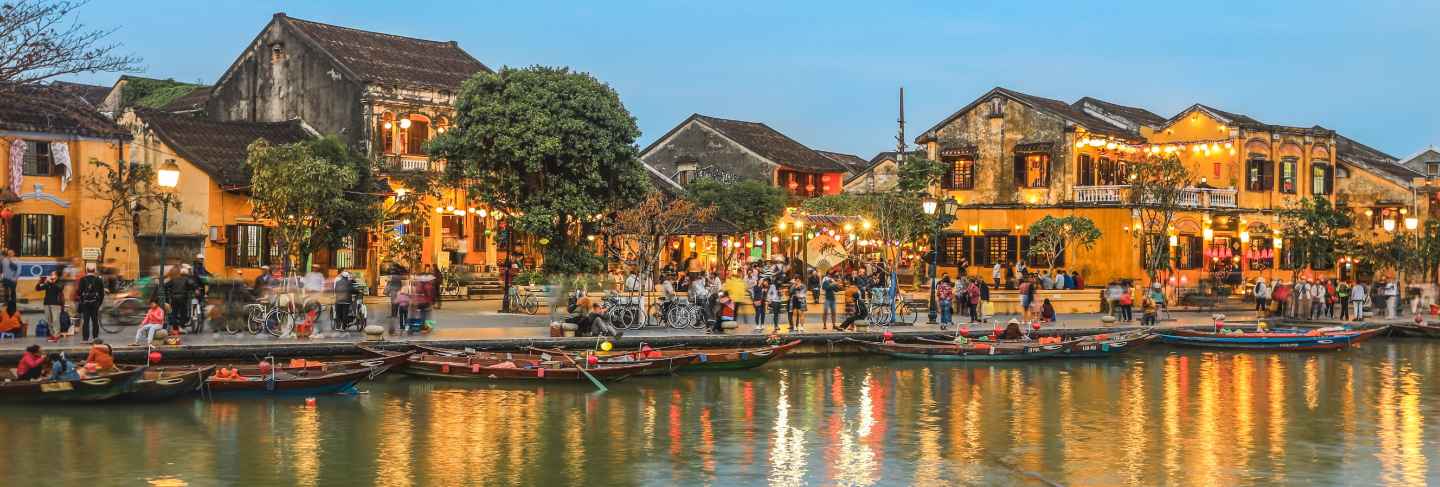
[
  {"x": 1087, "y": 346},
  {"x": 292, "y": 382},
  {"x": 1415, "y": 330},
  {"x": 1309, "y": 341},
  {"x": 699, "y": 358},
  {"x": 161, "y": 383},
  {"x": 496, "y": 366},
  {"x": 971, "y": 351},
  {"x": 96, "y": 388}
]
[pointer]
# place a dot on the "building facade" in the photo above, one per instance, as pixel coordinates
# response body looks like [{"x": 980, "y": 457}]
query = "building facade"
[{"x": 1015, "y": 158}]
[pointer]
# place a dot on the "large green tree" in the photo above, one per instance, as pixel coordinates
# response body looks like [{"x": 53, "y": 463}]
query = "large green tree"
[
  {"x": 550, "y": 146},
  {"x": 317, "y": 193},
  {"x": 751, "y": 206},
  {"x": 1158, "y": 186},
  {"x": 1050, "y": 236},
  {"x": 1315, "y": 232}
]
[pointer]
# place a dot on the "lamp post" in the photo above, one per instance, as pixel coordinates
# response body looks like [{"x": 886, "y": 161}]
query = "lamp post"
[
  {"x": 168, "y": 177},
  {"x": 939, "y": 210}
]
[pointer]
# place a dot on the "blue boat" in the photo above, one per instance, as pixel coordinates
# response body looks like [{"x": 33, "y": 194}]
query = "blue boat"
[{"x": 1334, "y": 340}]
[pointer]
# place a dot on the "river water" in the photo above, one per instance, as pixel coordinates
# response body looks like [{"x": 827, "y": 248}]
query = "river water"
[{"x": 1157, "y": 417}]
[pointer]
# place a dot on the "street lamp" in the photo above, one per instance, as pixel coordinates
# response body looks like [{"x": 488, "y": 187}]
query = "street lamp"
[
  {"x": 167, "y": 177},
  {"x": 939, "y": 210}
]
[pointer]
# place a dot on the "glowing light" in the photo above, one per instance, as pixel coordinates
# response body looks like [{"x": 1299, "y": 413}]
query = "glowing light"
[
  {"x": 404, "y": 123},
  {"x": 1278, "y": 243},
  {"x": 1207, "y": 234},
  {"x": 1411, "y": 223},
  {"x": 1244, "y": 236},
  {"x": 1389, "y": 224},
  {"x": 1174, "y": 241}
]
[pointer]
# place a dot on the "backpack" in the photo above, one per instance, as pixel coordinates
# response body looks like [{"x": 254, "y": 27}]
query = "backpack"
[
  {"x": 64, "y": 321},
  {"x": 42, "y": 329}
]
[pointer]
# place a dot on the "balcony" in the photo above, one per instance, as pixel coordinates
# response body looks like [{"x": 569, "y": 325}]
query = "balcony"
[
  {"x": 407, "y": 162},
  {"x": 1190, "y": 198}
]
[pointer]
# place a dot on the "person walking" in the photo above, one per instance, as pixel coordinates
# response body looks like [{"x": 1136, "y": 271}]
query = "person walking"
[
  {"x": 758, "y": 294},
  {"x": 1342, "y": 299},
  {"x": 1317, "y": 300},
  {"x": 972, "y": 294},
  {"x": 858, "y": 311},
  {"x": 91, "y": 294},
  {"x": 995, "y": 274},
  {"x": 772, "y": 298},
  {"x": 1262, "y": 296},
  {"x": 1127, "y": 305},
  {"x": 945, "y": 297}
]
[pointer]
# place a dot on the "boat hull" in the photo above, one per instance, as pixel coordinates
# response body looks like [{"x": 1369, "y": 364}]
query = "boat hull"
[
  {"x": 99, "y": 388},
  {"x": 958, "y": 353},
  {"x": 160, "y": 384},
  {"x": 1416, "y": 331},
  {"x": 330, "y": 383},
  {"x": 476, "y": 369},
  {"x": 1255, "y": 342}
]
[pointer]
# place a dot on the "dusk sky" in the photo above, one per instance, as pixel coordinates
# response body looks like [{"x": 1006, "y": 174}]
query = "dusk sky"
[{"x": 826, "y": 73}]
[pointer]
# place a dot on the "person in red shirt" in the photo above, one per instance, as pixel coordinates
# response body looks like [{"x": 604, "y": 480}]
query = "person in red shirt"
[{"x": 32, "y": 364}]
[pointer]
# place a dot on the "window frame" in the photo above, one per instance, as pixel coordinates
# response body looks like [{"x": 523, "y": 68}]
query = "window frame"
[
  {"x": 26, "y": 245},
  {"x": 35, "y": 157},
  {"x": 257, "y": 254},
  {"x": 1023, "y": 169},
  {"x": 1259, "y": 174},
  {"x": 1289, "y": 165},
  {"x": 1325, "y": 178},
  {"x": 960, "y": 175}
]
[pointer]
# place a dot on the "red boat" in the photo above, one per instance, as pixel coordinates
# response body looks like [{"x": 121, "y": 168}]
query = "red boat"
[{"x": 499, "y": 366}]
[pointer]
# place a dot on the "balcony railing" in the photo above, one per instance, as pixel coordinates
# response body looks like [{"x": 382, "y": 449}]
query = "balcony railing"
[
  {"x": 402, "y": 162},
  {"x": 1190, "y": 198}
]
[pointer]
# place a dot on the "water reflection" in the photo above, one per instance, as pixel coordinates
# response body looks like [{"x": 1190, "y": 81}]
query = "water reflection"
[{"x": 1158, "y": 417}]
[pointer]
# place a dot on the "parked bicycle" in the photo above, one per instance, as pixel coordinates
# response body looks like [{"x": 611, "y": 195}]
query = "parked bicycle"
[
  {"x": 882, "y": 314},
  {"x": 523, "y": 300}
]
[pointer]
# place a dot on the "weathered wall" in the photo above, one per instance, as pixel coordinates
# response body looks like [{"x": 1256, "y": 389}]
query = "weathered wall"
[
  {"x": 696, "y": 143},
  {"x": 995, "y": 138},
  {"x": 298, "y": 82}
]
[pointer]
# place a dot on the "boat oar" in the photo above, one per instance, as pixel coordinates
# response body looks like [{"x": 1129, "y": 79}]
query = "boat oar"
[{"x": 582, "y": 370}]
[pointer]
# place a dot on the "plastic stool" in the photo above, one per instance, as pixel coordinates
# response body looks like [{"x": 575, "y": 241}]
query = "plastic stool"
[{"x": 7, "y": 335}]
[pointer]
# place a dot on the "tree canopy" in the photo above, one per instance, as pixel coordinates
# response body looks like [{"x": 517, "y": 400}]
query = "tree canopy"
[
  {"x": 750, "y": 205},
  {"x": 1314, "y": 232},
  {"x": 1050, "y": 236},
  {"x": 1157, "y": 188},
  {"x": 40, "y": 40},
  {"x": 552, "y": 147},
  {"x": 317, "y": 192}
]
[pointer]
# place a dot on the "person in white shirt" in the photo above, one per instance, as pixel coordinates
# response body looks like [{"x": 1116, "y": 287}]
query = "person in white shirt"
[
  {"x": 995, "y": 274},
  {"x": 1357, "y": 299},
  {"x": 1391, "y": 293},
  {"x": 1262, "y": 295}
]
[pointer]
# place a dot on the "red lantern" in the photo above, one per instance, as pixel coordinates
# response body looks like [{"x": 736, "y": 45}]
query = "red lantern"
[
  {"x": 1035, "y": 325},
  {"x": 264, "y": 364},
  {"x": 888, "y": 336},
  {"x": 153, "y": 358},
  {"x": 592, "y": 360},
  {"x": 5, "y": 213},
  {"x": 964, "y": 331}
]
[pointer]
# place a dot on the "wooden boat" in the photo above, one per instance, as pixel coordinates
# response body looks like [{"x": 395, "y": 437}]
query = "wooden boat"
[
  {"x": 1087, "y": 346},
  {"x": 294, "y": 382},
  {"x": 660, "y": 365},
  {"x": 161, "y": 383},
  {"x": 500, "y": 366},
  {"x": 972, "y": 351},
  {"x": 376, "y": 358},
  {"x": 700, "y": 358},
  {"x": 97, "y": 388},
  {"x": 1310, "y": 341},
  {"x": 1415, "y": 330}
]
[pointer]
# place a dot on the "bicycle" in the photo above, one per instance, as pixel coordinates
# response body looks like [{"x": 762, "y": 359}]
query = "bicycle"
[
  {"x": 121, "y": 312},
  {"x": 523, "y": 300},
  {"x": 359, "y": 315},
  {"x": 882, "y": 314},
  {"x": 624, "y": 313},
  {"x": 684, "y": 314},
  {"x": 276, "y": 318}
]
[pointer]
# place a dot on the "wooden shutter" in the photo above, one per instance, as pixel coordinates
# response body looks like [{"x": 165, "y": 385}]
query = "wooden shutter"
[
  {"x": 1020, "y": 170},
  {"x": 57, "y": 235},
  {"x": 231, "y": 242},
  {"x": 1087, "y": 171},
  {"x": 1010, "y": 247}
]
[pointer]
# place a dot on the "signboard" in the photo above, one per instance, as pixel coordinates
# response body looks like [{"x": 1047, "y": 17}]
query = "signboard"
[
  {"x": 90, "y": 253},
  {"x": 33, "y": 269}
]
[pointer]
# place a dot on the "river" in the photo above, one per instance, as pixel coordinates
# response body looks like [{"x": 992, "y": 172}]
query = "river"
[{"x": 1156, "y": 417}]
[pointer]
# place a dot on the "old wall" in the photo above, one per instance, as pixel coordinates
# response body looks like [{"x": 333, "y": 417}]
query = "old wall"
[
  {"x": 696, "y": 143},
  {"x": 994, "y": 138},
  {"x": 280, "y": 77}
]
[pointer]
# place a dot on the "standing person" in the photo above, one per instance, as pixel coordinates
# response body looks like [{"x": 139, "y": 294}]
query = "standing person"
[
  {"x": 1342, "y": 298},
  {"x": 995, "y": 274},
  {"x": 1357, "y": 300},
  {"x": 1009, "y": 276},
  {"x": 392, "y": 286},
  {"x": 1262, "y": 296},
  {"x": 797, "y": 304},
  {"x": 54, "y": 301},
  {"x": 814, "y": 284},
  {"x": 1112, "y": 297},
  {"x": 828, "y": 315},
  {"x": 984, "y": 300},
  {"x": 1317, "y": 300},
  {"x": 1280, "y": 295},
  {"x": 1021, "y": 270},
  {"x": 1027, "y": 294},
  {"x": 178, "y": 292},
  {"x": 1391, "y": 293},
  {"x": 91, "y": 293},
  {"x": 945, "y": 297},
  {"x": 758, "y": 295},
  {"x": 403, "y": 300},
  {"x": 1127, "y": 305},
  {"x": 435, "y": 289},
  {"x": 9, "y": 276},
  {"x": 1330, "y": 298},
  {"x": 972, "y": 296}
]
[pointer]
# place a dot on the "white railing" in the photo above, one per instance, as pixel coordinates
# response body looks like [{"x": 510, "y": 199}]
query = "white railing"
[
  {"x": 1190, "y": 197},
  {"x": 412, "y": 163}
]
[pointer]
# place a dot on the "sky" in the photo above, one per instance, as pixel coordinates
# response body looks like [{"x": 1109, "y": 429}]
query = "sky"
[{"x": 827, "y": 73}]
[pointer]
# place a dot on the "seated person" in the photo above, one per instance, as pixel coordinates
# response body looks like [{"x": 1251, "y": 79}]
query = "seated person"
[
  {"x": 1012, "y": 331},
  {"x": 32, "y": 364},
  {"x": 101, "y": 355},
  {"x": 61, "y": 368},
  {"x": 11, "y": 322},
  {"x": 154, "y": 320}
]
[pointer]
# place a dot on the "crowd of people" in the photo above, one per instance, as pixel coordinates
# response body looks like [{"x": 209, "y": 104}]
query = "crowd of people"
[{"x": 1315, "y": 299}]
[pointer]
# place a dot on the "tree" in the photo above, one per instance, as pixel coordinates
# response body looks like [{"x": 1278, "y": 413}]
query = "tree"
[
  {"x": 1157, "y": 187},
  {"x": 634, "y": 235},
  {"x": 125, "y": 189},
  {"x": 1315, "y": 231},
  {"x": 1050, "y": 236},
  {"x": 318, "y": 193},
  {"x": 751, "y": 206},
  {"x": 40, "y": 41},
  {"x": 549, "y": 145}
]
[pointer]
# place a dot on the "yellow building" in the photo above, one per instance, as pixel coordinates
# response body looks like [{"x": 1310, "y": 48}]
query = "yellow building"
[
  {"x": 215, "y": 216},
  {"x": 50, "y": 138},
  {"x": 1015, "y": 158}
]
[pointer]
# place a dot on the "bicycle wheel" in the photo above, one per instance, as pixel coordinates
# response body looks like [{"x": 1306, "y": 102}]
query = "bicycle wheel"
[
  {"x": 676, "y": 317},
  {"x": 280, "y": 323},
  {"x": 906, "y": 314},
  {"x": 255, "y": 318},
  {"x": 197, "y": 319},
  {"x": 699, "y": 317},
  {"x": 120, "y": 314},
  {"x": 530, "y": 305}
]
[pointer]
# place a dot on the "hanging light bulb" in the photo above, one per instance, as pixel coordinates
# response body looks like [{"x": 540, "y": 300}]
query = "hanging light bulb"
[{"x": 404, "y": 123}]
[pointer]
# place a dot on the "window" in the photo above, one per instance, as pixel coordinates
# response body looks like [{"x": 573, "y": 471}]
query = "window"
[
  {"x": 37, "y": 159},
  {"x": 998, "y": 249},
  {"x": 953, "y": 249},
  {"x": 384, "y": 129},
  {"x": 1321, "y": 178},
  {"x": 37, "y": 235},
  {"x": 351, "y": 253},
  {"x": 418, "y": 133},
  {"x": 1379, "y": 215},
  {"x": 1259, "y": 175},
  {"x": 1287, "y": 175},
  {"x": 1087, "y": 170},
  {"x": 1104, "y": 172},
  {"x": 1287, "y": 256},
  {"x": 479, "y": 240},
  {"x": 1190, "y": 253},
  {"x": 961, "y": 175},
  {"x": 1032, "y": 170},
  {"x": 1432, "y": 168},
  {"x": 1261, "y": 255},
  {"x": 1038, "y": 261},
  {"x": 245, "y": 245}
]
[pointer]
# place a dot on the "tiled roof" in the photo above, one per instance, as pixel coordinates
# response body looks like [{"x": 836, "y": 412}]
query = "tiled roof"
[
  {"x": 772, "y": 145},
  {"x": 219, "y": 148},
  {"x": 1068, "y": 111},
  {"x": 851, "y": 161},
  {"x": 50, "y": 111},
  {"x": 91, "y": 94},
  {"x": 391, "y": 59},
  {"x": 1135, "y": 114},
  {"x": 194, "y": 100},
  {"x": 1348, "y": 150}
]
